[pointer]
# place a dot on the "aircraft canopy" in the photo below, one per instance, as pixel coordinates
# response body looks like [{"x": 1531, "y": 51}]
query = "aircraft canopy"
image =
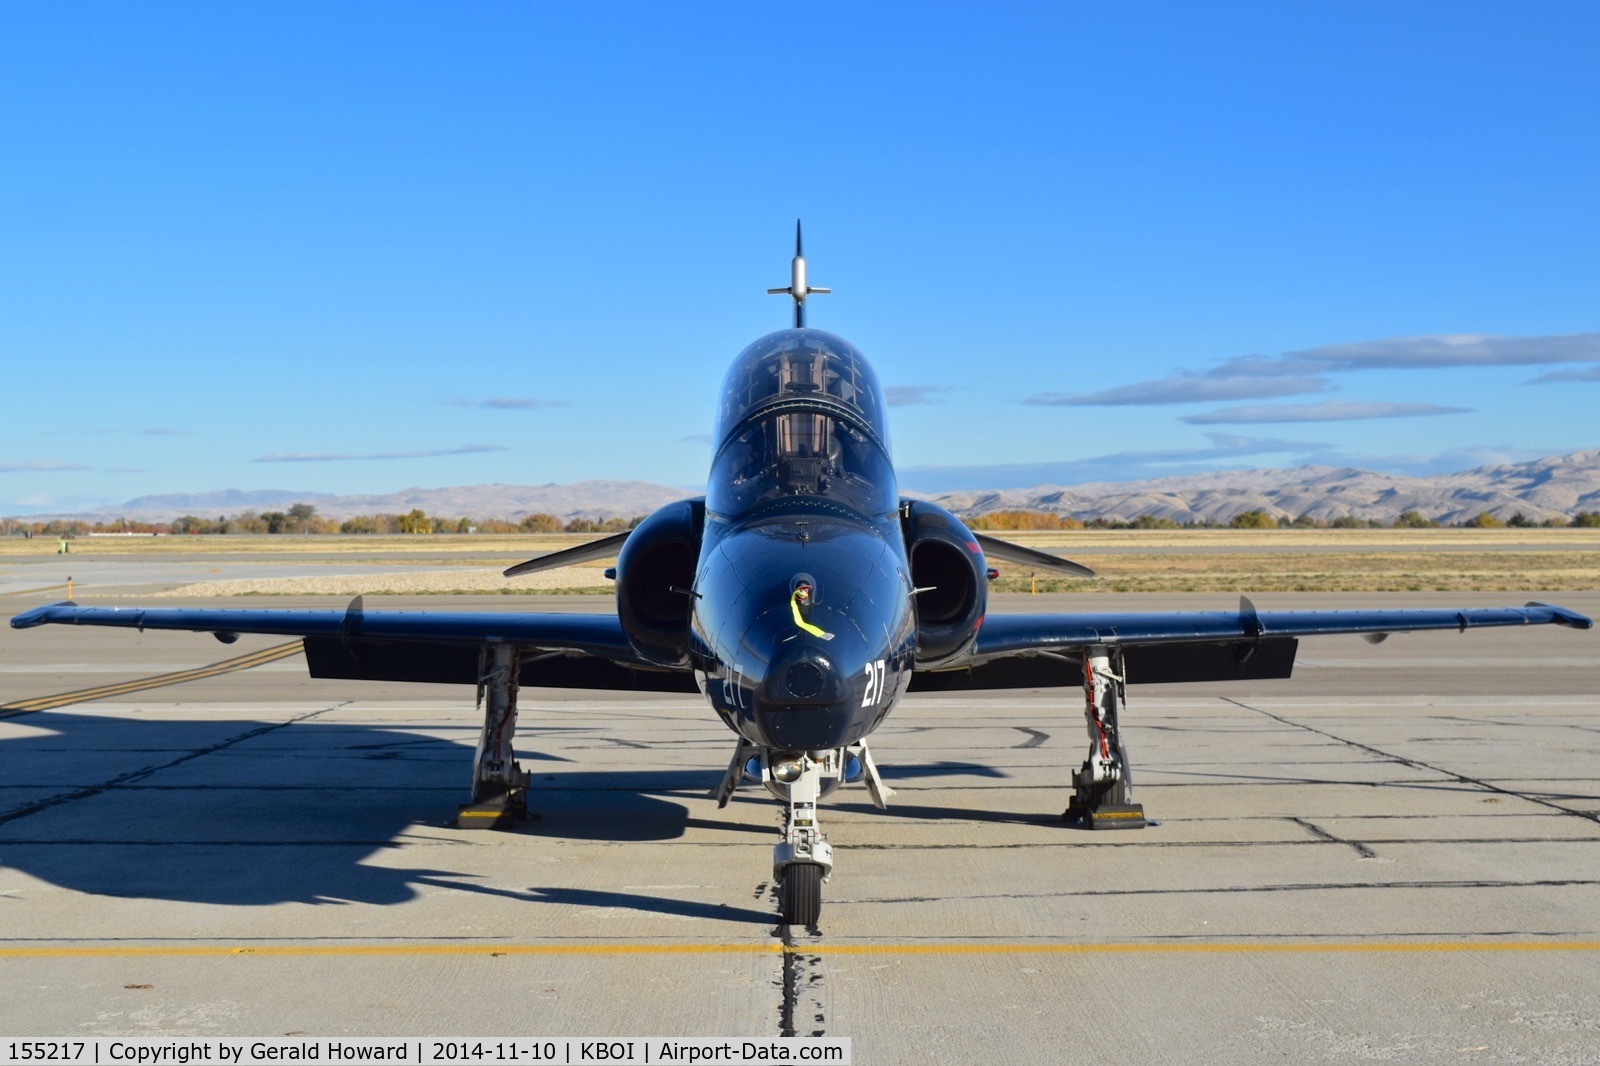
[
  {"x": 802, "y": 369},
  {"x": 801, "y": 419}
]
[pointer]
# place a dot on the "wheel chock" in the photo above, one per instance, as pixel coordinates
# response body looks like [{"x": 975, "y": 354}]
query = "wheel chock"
[
  {"x": 1107, "y": 816},
  {"x": 505, "y": 811}
]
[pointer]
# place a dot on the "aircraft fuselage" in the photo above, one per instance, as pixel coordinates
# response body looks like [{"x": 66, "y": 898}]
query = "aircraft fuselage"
[
  {"x": 803, "y": 616},
  {"x": 783, "y": 686}
]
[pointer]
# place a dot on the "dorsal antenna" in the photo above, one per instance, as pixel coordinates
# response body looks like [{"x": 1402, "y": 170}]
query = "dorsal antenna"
[{"x": 797, "y": 281}]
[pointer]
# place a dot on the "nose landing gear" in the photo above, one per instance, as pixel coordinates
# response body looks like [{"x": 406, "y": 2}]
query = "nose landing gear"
[{"x": 803, "y": 859}]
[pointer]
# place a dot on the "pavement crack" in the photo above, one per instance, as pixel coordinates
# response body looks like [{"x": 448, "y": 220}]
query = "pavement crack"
[
  {"x": 1234, "y": 890},
  {"x": 789, "y": 983},
  {"x": 89, "y": 791},
  {"x": 1418, "y": 764},
  {"x": 1322, "y": 834},
  {"x": 801, "y": 982},
  {"x": 93, "y": 842},
  {"x": 622, "y": 743}
]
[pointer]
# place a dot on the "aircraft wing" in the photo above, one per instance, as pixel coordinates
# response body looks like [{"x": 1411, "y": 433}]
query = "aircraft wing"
[
  {"x": 1008, "y": 634},
  {"x": 995, "y": 548},
  {"x": 559, "y": 650},
  {"x": 1027, "y": 650},
  {"x": 604, "y": 548}
]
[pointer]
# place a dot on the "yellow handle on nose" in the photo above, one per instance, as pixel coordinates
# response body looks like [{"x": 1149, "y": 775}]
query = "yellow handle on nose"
[{"x": 794, "y": 606}]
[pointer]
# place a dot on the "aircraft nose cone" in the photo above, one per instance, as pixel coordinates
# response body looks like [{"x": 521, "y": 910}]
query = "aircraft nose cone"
[
  {"x": 803, "y": 701},
  {"x": 804, "y": 679}
]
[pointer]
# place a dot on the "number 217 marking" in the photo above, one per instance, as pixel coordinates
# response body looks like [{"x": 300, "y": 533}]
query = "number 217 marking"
[{"x": 874, "y": 693}]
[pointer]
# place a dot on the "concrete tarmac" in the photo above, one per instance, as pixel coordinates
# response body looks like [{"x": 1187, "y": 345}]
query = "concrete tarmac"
[{"x": 1394, "y": 855}]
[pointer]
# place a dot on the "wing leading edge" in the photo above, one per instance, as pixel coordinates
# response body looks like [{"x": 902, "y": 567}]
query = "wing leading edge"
[
  {"x": 591, "y": 634},
  {"x": 560, "y": 650},
  {"x": 1042, "y": 650},
  {"x": 1013, "y": 634}
]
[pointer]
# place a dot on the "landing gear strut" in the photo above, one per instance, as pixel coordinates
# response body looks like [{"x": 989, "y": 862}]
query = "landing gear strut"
[
  {"x": 1103, "y": 794},
  {"x": 499, "y": 784},
  {"x": 803, "y": 859}
]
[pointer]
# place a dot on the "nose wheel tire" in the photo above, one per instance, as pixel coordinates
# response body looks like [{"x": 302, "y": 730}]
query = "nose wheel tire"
[{"x": 800, "y": 894}]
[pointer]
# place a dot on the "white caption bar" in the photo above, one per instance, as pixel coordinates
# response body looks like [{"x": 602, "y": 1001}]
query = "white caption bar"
[{"x": 426, "y": 1051}]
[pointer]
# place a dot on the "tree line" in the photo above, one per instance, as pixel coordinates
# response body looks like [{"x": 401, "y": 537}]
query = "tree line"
[{"x": 302, "y": 518}]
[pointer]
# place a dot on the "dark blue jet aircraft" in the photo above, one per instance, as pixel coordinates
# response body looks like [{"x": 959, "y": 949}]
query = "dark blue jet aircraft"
[{"x": 803, "y": 596}]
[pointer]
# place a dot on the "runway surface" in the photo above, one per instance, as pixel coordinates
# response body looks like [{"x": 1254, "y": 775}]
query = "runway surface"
[{"x": 1394, "y": 855}]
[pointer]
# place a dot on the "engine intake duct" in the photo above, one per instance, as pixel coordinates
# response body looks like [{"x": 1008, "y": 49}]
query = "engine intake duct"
[
  {"x": 655, "y": 576},
  {"x": 948, "y": 569}
]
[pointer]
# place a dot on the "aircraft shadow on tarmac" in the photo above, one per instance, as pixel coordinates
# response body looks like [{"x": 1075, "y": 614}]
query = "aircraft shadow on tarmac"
[
  {"x": 251, "y": 813},
  {"x": 931, "y": 813},
  {"x": 581, "y": 897},
  {"x": 257, "y": 813}
]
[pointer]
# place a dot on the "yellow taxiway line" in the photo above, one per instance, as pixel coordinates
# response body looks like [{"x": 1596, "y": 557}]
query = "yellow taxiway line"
[
  {"x": 123, "y": 688},
  {"x": 147, "y": 951}
]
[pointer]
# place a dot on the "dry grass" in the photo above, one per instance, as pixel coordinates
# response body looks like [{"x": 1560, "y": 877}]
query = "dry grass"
[
  {"x": 450, "y": 546},
  {"x": 1223, "y": 560},
  {"x": 1312, "y": 571},
  {"x": 462, "y": 581}
]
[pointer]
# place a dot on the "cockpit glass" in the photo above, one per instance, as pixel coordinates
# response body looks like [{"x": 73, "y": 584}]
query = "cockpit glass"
[
  {"x": 801, "y": 456},
  {"x": 801, "y": 420},
  {"x": 797, "y": 365}
]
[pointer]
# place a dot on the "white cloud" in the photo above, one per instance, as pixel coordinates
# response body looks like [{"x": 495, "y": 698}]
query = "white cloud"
[
  {"x": 1588, "y": 373},
  {"x": 1249, "y": 377},
  {"x": 912, "y": 395},
  {"x": 339, "y": 457},
  {"x": 45, "y": 465},
  {"x": 1330, "y": 411},
  {"x": 1185, "y": 387},
  {"x": 1447, "y": 350},
  {"x": 508, "y": 403}
]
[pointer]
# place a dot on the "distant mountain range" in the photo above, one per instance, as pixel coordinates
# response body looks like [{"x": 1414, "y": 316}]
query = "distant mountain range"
[
  {"x": 582, "y": 499},
  {"x": 1557, "y": 486}
]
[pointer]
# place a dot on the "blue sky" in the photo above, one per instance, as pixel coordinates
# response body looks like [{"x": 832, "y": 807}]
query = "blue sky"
[{"x": 359, "y": 247}]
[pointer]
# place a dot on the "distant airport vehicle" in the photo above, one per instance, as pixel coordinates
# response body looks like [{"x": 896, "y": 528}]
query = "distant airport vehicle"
[{"x": 803, "y": 597}]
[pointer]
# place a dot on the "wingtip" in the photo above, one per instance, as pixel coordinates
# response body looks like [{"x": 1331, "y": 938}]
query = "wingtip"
[
  {"x": 38, "y": 616},
  {"x": 1563, "y": 617}
]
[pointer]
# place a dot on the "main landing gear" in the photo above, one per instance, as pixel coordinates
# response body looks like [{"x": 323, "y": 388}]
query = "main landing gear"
[
  {"x": 499, "y": 784},
  {"x": 802, "y": 859},
  {"x": 1103, "y": 787}
]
